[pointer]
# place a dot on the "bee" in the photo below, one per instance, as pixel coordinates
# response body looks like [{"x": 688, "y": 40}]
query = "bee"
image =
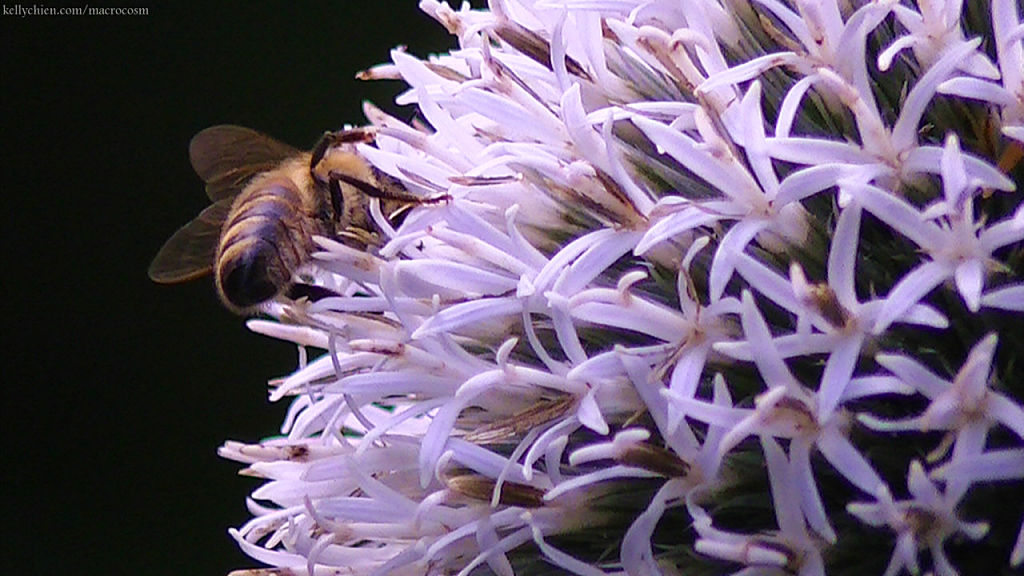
[{"x": 269, "y": 200}]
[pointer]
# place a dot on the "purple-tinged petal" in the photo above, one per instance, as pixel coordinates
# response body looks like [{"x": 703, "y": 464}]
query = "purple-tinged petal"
[
  {"x": 838, "y": 371},
  {"x": 973, "y": 375},
  {"x": 772, "y": 368},
  {"x": 696, "y": 158},
  {"x": 791, "y": 106},
  {"x": 468, "y": 314},
  {"x": 925, "y": 160},
  {"x": 954, "y": 175},
  {"x": 677, "y": 223},
  {"x": 751, "y": 69},
  {"x": 842, "y": 256},
  {"x": 808, "y": 182},
  {"x": 991, "y": 466},
  {"x": 914, "y": 286},
  {"x": 898, "y": 214},
  {"x": 978, "y": 89},
  {"x": 589, "y": 414},
  {"x": 753, "y": 140},
  {"x": 885, "y": 57},
  {"x": 1008, "y": 412},
  {"x": 867, "y": 386},
  {"x": 1007, "y": 298},
  {"x": 558, "y": 263},
  {"x": 904, "y": 133},
  {"x": 925, "y": 493},
  {"x": 438, "y": 434},
  {"x": 730, "y": 248},
  {"x": 769, "y": 283},
  {"x": 810, "y": 498},
  {"x": 844, "y": 457},
  {"x": 969, "y": 277},
  {"x": 601, "y": 254},
  {"x": 686, "y": 377},
  {"x": 913, "y": 374},
  {"x": 637, "y": 555},
  {"x": 724, "y": 417},
  {"x": 970, "y": 441},
  {"x": 817, "y": 152},
  {"x": 1006, "y": 27},
  {"x": 787, "y": 346},
  {"x": 1004, "y": 232},
  {"x": 785, "y": 489},
  {"x": 610, "y": 308},
  {"x": 556, "y": 556},
  {"x": 425, "y": 277},
  {"x": 924, "y": 315}
]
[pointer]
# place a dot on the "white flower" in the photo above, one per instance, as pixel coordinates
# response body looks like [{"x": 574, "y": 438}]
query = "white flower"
[
  {"x": 790, "y": 550},
  {"x": 841, "y": 324},
  {"x": 751, "y": 195},
  {"x": 965, "y": 401},
  {"x": 789, "y": 410},
  {"x": 932, "y": 29},
  {"x": 927, "y": 520},
  {"x": 967, "y": 468},
  {"x": 1008, "y": 94},
  {"x": 959, "y": 247},
  {"x": 666, "y": 247},
  {"x": 966, "y": 405}
]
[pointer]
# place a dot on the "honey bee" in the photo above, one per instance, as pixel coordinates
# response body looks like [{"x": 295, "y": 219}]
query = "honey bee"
[{"x": 269, "y": 200}]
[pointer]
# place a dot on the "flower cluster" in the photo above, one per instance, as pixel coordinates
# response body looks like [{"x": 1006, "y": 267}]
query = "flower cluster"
[{"x": 715, "y": 287}]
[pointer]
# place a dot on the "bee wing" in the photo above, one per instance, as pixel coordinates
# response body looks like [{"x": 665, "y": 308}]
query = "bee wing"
[
  {"x": 189, "y": 253},
  {"x": 226, "y": 157}
]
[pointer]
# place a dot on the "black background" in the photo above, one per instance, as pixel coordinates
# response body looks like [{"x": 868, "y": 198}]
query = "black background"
[{"x": 117, "y": 392}]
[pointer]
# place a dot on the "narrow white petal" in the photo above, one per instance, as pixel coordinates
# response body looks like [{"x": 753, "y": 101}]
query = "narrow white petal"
[
  {"x": 1007, "y": 298},
  {"x": 838, "y": 371},
  {"x": 977, "y": 89},
  {"x": 772, "y": 368},
  {"x": 914, "y": 286},
  {"x": 844, "y": 457},
  {"x": 969, "y": 277},
  {"x": 913, "y": 374},
  {"x": 904, "y": 133},
  {"x": 467, "y": 314},
  {"x": 729, "y": 251}
]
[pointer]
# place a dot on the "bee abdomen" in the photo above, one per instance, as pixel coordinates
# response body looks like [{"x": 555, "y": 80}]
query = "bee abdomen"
[
  {"x": 251, "y": 275},
  {"x": 264, "y": 240}
]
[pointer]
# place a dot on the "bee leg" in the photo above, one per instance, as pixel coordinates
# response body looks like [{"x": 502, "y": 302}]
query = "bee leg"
[
  {"x": 337, "y": 198},
  {"x": 362, "y": 238},
  {"x": 331, "y": 139},
  {"x": 382, "y": 194},
  {"x": 310, "y": 292}
]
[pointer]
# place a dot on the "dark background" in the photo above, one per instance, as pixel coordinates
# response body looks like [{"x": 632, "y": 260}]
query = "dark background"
[{"x": 117, "y": 391}]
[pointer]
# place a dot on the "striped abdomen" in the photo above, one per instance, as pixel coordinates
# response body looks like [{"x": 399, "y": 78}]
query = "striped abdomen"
[{"x": 266, "y": 237}]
